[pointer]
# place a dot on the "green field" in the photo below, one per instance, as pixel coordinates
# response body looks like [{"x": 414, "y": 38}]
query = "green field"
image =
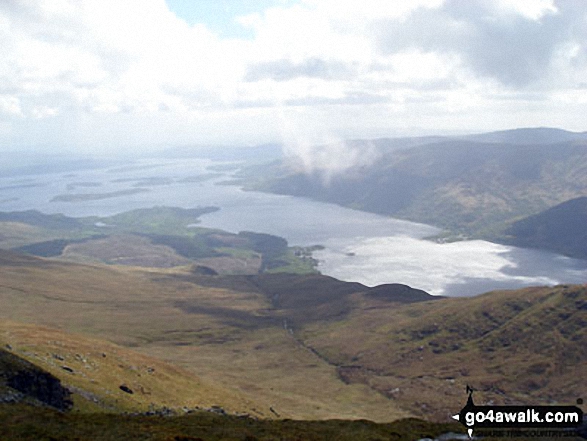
[{"x": 156, "y": 237}]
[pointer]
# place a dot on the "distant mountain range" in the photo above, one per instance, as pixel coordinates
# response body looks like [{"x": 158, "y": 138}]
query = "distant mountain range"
[
  {"x": 539, "y": 135},
  {"x": 521, "y": 136},
  {"x": 473, "y": 186}
]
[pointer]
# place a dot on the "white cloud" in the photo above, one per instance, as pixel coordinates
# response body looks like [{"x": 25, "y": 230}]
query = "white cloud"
[
  {"x": 40, "y": 112},
  {"x": 332, "y": 157},
  {"x": 334, "y": 68},
  {"x": 10, "y": 105},
  {"x": 533, "y": 9}
]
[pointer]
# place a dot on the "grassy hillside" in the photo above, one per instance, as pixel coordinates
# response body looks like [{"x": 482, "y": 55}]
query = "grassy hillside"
[
  {"x": 106, "y": 377},
  {"x": 155, "y": 237},
  {"x": 468, "y": 187},
  {"x": 311, "y": 347},
  {"x": 33, "y": 401},
  {"x": 48, "y": 424},
  {"x": 525, "y": 346},
  {"x": 227, "y": 336},
  {"x": 562, "y": 229}
]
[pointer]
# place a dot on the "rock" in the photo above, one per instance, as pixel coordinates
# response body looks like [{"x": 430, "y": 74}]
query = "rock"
[
  {"x": 126, "y": 389},
  {"x": 203, "y": 270},
  {"x": 40, "y": 385},
  {"x": 217, "y": 409}
]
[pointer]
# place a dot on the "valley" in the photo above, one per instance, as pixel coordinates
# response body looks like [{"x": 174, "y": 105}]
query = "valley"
[
  {"x": 202, "y": 312},
  {"x": 354, "y": 243},
  {"x": 473, "y": 187},
  {"x": 308, "y": 346},
  {"x": 293, "y": 220}
]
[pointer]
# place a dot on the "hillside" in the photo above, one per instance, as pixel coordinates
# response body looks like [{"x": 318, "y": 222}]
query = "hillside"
[
  {"x": 101, "y": 376},
  {"x": 469, "y": 187},
  {"x": 160, "y": 237},
  {"x": 23, "y": 382},
  {"x": 537, "y": 135},
  {"x": 83, "y": 400},
  {"x": 225, "y": 332},
  {"x": 310, "y": 346},
  {"x": 514, "y": 347},
  {"x": 562, "y": 229}
]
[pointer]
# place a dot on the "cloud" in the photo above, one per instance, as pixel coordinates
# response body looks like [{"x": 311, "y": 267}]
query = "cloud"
[
  {"x": 10, "y": 105},
  {"x": 283, "y": 70},
  {"x": 336, "y": 68},
  {"x": 330, "y": 159},
  {"x": 515, "y": 43},
  {"x": 352, "y": 98},
  {"x": 109, "y": 55}
]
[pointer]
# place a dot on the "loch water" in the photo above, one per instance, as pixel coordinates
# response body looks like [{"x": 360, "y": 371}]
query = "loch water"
[{"x": 359, "y": 246}]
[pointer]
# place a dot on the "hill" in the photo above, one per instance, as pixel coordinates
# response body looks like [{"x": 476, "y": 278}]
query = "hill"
[
  {"x": 538, "y": 135},
  {"x": 227, "y": 334},
  {"x": 514, "y": 347},
  {"x": 310, "y": 346},
  {"x": 471, "y": 187},
  {"x": 153, "y": 237},
  {"x": 84, "y": 402},
  {"x": 562, "y": 229},
  {"x": 22, "y": 423},
  {"x": 65, "y": 370}
]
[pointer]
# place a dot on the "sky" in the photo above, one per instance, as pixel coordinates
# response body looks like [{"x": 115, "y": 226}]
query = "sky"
[{"x": 105, "y": 76}]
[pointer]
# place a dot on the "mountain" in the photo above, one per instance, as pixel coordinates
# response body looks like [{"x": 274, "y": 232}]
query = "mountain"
[
  {"x": 562, "y": 229},
  {"x": 224, "y": 329},
  {"x": 303, "y": 299},
  {"x": 468, "y": 187},
  {"x": 539, "y": 135},
  {"x": 297, "y": 346},
  {"x": 514, "y": 347}
]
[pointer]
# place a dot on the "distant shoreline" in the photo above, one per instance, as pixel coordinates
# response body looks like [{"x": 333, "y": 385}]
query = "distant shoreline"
[{"x": 83, "y": 197}]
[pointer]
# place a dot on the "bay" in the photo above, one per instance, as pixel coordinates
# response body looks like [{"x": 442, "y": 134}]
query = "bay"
[{"x": 359, "y": 246}]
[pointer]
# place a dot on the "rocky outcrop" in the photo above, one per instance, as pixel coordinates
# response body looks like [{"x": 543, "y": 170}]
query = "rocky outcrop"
[{"x": 21, "y": 380}]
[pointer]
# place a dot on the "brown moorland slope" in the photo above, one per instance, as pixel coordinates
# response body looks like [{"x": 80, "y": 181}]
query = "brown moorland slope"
[
  {"x": 315, "y": 347},
  {"x": 527, "y": 346},
  {"x": 103, "y": 376},
  {"x": 231, "y": 338}
]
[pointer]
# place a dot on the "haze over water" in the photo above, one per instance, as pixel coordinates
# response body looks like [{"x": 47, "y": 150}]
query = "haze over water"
[{"x": 361, "y": 247}]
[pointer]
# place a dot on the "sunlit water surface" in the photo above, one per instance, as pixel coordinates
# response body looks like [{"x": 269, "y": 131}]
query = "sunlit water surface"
[{"x": 359, "y": 246}]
